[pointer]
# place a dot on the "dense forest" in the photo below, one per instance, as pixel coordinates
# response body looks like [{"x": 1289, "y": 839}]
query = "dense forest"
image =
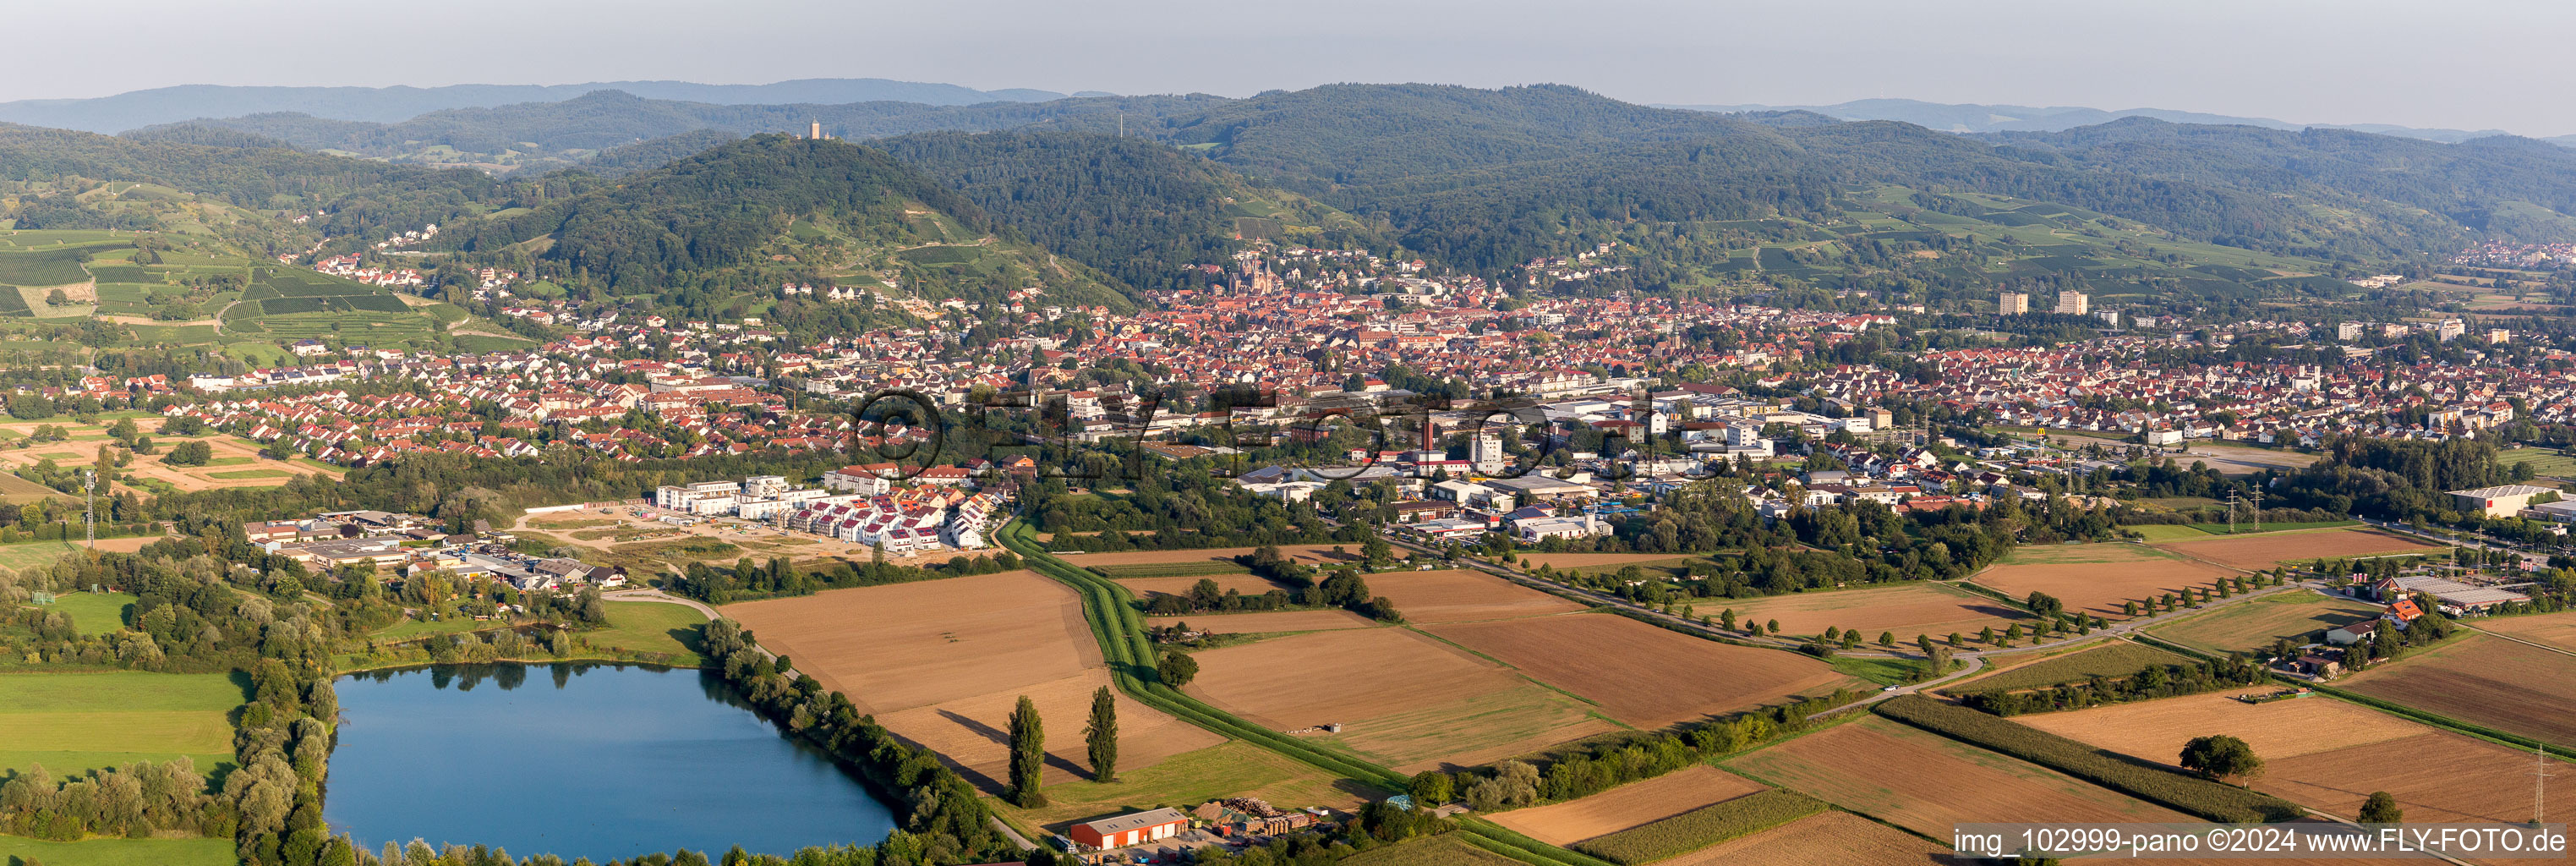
[
  {"x": 1136, "y": 210},
  {"x": 749, "y": 214}
]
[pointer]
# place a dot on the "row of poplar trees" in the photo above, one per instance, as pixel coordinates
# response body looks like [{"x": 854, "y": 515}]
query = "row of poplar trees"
[{"x": 1028, "y": 747}]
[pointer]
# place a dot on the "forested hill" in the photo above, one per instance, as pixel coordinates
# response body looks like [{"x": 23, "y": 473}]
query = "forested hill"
[
  {"x": 386, "y": 104},
  {"x": 1371, "y": 133},
  {"x": 1135, "y": 209},
  {"x": 704, "y": 230},
  {"x": 568, "y": 130},
  {"x": 2516, "y": 187},
  {"x": 357, "y": 197}
]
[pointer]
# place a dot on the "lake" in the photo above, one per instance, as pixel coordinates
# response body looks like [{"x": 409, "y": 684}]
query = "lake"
[{"x": 581, "y": 760}]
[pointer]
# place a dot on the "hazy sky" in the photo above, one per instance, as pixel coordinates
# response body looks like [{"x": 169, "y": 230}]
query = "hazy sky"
[{"x": 2456, "y": 63}]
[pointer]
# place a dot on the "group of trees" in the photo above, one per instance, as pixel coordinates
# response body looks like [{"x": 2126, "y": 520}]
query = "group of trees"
[
  {"x": 138, "y": 799},
  {"x": 1026, "y": 786},
  {"x": 2149, "y": 682},
  {"x": 782, "y": 577}
]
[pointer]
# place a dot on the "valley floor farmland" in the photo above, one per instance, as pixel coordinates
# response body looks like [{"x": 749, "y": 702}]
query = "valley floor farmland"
[
  {"x": 2484, "y": 680},
  {"x": 1461, "y": 595},
  {"x": 2322, "y": 753},
  {"x": 2096, "y": 578},
  {"x": 1906, "y": 609},
  {"x": 1642, "y": 675},
  {"x": 1310, "y": 554},
  {"x": 76, "y": 722},
  {"x": 942, "y": 662},
  {"x": 1635, "y": 804},
  {"x": 1925, "y": 782},
  {"x": 1403, "y": 699},
  {"x": 2270, "y": 549},
  {"x": 1265, "y": 621},
  {"x": 2299, "y": 616},
  {"x": 1829, "y": 839},
  {"x": 2554, "y": 629}
]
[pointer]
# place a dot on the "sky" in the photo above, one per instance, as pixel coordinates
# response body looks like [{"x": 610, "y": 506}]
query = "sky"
[{"x": 2469, "y": 64}]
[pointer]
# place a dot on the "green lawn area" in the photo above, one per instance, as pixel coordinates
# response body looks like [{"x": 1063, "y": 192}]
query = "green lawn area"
[
  {"x": 1230, "y": 769},
  {"x": 93, "y": 613},
  {"x": 2114, "y": 659},
  {"x": 1885, "y": 672},
  {"x": 2298, "y": 616},
  {"x": 77, "y": 722},
  {"x": 2166, "y": 531},
  {"x": 118, "y": 852},
  {"x": 35, "y": 555},
  {"x": 652, "y": 626},
  {"x": 2546, "y": 462},
  {"x": 239, "y": 474}
]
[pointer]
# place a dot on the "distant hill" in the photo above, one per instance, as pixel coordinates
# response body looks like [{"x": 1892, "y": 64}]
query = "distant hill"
[
  {"x": 1135, "y": 209},
  {"x": 357, "y": 199},
  {"x": 388, "y": 104},
  {"x": 548, "y": 135},
  {"x": 1973, "y": 117},
  {"x": 718, "y": 231}
]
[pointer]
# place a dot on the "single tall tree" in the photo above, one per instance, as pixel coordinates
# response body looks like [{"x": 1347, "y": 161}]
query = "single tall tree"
[
  {"x": 1028, "y": 755},
  {"x": 1102, "y": 735}
]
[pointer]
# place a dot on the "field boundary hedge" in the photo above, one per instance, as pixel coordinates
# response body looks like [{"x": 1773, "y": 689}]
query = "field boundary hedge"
[
  {"x": 2202, "y": 797},
  {"x": 1704, "y": 826}
]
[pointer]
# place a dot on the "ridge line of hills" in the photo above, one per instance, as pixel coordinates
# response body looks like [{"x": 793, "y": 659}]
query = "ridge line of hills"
[{"x": 981, "y": 202}]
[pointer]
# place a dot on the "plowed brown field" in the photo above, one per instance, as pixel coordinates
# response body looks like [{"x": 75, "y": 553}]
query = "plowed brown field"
[
  {"x": 2270, "y": 549},
  {"x": 1643, "y": 675},
  {"x": 942, "y": 663},
  {"x": 1402, "y": 698},
  {"x": 1458, "y": 595},
  {"x": 1628, "y": 806}
]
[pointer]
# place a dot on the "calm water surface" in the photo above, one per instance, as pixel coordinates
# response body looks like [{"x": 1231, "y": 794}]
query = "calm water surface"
[{"x": 581, "y": 760}]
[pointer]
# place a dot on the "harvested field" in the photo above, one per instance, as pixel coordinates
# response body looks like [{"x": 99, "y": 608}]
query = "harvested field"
[
  {"x": 942, "y": 662},
  {"x": 1643, "y": 675},
  {"x": 2554, "y": 629},
  {"x": 1906, "y": 609},
  {"x": 2299, "y": 616},
  {"x": 1402, "y": 698},
  {"x": 2270, "y": 549},
  {"x": 1310, "y": 554},
  {"x": 2484, "y": 680},
  {"x": 2096, "y": 578},
  {"x": 1628, "y": 806},
  {"x": 1148, "y": 587},
  {"x": 1266, "y": 621},
  {"x": 1829, "y": 839},
  {"x": 1916, "y": 779},
  {"x": 2322, "y": 753},
  {"x": 1459, "y": 595},
  {"x": 2156, "y": 730},
  {"x": 2444, "y": 777}
]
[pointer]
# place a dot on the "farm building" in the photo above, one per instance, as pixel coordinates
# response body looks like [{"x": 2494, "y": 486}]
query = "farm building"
[
  {"x": 2504, "y": 501},
  {"x": 2455, "y": 598},
  {"x": 1131, "y": 829}
]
